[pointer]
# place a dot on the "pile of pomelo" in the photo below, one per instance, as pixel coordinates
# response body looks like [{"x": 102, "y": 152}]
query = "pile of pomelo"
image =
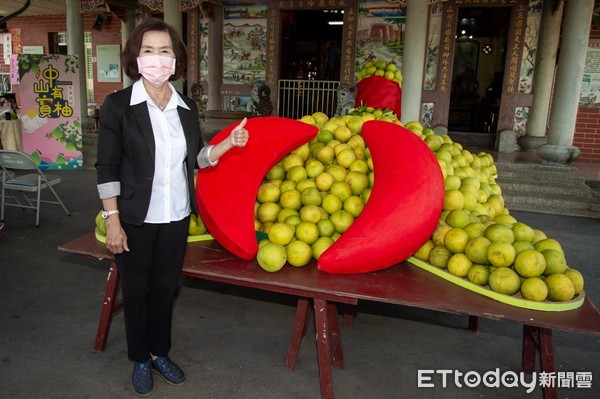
[
  {"x": 313, "y": 195},
  {"x": 380, "y": 68},
  {"x": 309, "y": 198},
  {"x": 477, "y": 239}
]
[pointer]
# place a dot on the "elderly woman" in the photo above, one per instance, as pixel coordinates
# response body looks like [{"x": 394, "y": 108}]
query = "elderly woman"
[{"x": 149, "y": 144}]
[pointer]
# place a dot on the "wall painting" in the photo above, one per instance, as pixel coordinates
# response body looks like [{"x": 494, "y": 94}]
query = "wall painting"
[
  {"x": 244, "y": 43},
  {"x": 380, "y": 32}
]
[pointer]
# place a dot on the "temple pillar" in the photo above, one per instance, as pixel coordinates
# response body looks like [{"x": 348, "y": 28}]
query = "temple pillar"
[
  {"x": 76, "y": 46},
  {"x": 127, "y": 26},
  {"x": 543, "y": 77},
  {"x": 565, "y": 103},
  {"x": 413, "y": 59},
  {"x": 173, "y": 16},
  {"x": 215, "y": 59}
]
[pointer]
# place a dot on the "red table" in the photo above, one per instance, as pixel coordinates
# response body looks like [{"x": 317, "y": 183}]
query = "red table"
[{"x": 402, "y": 284}]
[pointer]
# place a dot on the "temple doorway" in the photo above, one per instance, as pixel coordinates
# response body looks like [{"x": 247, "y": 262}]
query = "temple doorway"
[
  {"x": 311, "y": 43},
  {"x": 478, "y": 70}
]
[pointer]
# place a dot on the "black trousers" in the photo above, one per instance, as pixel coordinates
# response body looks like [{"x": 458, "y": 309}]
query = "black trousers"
[{"x": 150, "y": 275}]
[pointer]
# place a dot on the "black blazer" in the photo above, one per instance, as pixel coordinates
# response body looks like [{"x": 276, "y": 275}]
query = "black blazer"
[{"x": 126, "y": 152}]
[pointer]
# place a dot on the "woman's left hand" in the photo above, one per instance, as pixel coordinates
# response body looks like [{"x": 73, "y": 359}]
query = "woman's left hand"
[{"x": 239, "y": 135}]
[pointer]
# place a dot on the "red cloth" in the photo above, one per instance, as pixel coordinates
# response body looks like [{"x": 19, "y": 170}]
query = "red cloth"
[
  {"x": 379, "y": 92},
  {"x": 403, "y": 209},
  {"x": 226, "y": 193}
]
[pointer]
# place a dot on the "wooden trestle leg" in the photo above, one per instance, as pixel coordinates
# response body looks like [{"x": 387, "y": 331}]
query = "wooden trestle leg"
[
  {"x": 109, "y": 306},
  {"x": 538, "y": 339},
  {"x": 328, "y": 337}
]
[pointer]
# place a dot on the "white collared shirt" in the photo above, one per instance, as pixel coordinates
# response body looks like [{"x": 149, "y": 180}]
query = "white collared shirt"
[{"x": 170, "y": 200}]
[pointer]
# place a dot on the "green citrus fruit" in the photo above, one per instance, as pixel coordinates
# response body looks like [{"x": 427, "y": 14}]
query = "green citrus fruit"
[
  {"x": 530, "y": 263},
  {"x": 479, "y": 274},
  {"x": 423, "y": 252},
  {"x": 281, "y": 233},
  {"x": 576, "y": 278},
  {"x": 555, "y": 261},
  {"x": 456, "y": 240},
  {"x": 534, "y": 289},
  {"x": 560, "y": 288},
  {"x": 299, "y": 253},
  {"x": 271, "y": 257},
  {"x": 476, "y": 250},
  {"x": 501, "y": 254},
  {"x": 307, "y": 232},
  {"x": 548, "y": 243},
  {"x": 505, "y": 281},
  {"x": 459, "y": 265},
  {"x": 439, "y": 256},
  {"x": 499, "y": 232},
  {"x": 320, "y": 246}
]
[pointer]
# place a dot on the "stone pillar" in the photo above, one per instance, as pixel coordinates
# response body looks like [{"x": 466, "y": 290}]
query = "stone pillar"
[
  {"x": 543, "y": 77},
  {"x": 127, "y": 27},
  {"x": 76, "y": 46},
  {"x": 215, "y": 59},
  {"x": 573, "y": 49},
  {"x": 173, "y": 16},
  {"x": 413, "y": 60}
]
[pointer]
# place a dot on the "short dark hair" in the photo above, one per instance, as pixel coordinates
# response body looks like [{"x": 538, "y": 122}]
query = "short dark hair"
[{"x": 132, "y": 48}]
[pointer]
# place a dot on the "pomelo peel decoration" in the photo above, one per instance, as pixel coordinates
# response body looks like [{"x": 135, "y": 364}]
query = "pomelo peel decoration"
[
  {"x": 226, "y": 192},
  {"x": 403, "y": 209},
  {"x": 379, "y": 92}
]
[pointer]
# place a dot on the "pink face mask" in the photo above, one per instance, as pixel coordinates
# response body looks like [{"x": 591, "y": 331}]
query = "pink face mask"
[{"x": 156, "y": 68}]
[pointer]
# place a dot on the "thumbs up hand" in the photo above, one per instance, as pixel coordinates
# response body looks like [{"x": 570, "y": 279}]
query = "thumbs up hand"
[{"x": 239, "y": 135}]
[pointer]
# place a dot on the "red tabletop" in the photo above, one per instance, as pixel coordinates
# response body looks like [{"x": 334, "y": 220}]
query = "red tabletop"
[{"x": 402, "y": 284}]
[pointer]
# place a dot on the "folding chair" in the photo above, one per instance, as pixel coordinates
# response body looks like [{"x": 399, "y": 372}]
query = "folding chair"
[{"x": 12, "y": 163}]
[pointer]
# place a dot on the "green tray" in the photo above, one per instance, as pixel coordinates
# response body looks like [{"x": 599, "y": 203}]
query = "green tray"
[{"x": 514, "y": 300}]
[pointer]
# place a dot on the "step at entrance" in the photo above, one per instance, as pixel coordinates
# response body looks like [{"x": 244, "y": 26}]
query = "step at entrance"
[{"x": 554, "y": 189}]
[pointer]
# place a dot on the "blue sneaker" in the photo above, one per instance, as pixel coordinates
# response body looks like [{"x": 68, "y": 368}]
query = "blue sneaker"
[
  {"x": 141, "y": 378},
  {"x": 168, "y": 370}
]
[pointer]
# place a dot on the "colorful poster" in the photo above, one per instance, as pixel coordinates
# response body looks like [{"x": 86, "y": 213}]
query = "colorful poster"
[{"x": 50, "y": 106}]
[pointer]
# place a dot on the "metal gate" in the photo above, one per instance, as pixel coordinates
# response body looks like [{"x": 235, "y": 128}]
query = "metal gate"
[{"x": 305, "y": 97}]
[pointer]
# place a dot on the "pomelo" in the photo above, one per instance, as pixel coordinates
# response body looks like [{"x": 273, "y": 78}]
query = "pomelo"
[
  {"x": 501, "y": 254},
  {"x": 576, "y": 278},
  {"x": 459, "y": 265},
  {"x": 530, "y": 263},
  {"x": 423, "y": 252},
  {"x": 456, "y": 240},
  {"x": 307, "y": 232},
  {"x": 499, "y": 232},
  {"x": 478, "y": 274},
  {"x": 560, "y": 288},
  {"x": 555, "y": 261},
  {"x": 505, "y": 281},
  {"x": 548, "y": 243},
  {"x": 281, "y": 233},
  {"x": 439, "y": 256},
  {"x": 271, "y": 257},
  {"x": 320, "y": 246},
  {"x": 534, "y": 289},
  {"x": 476, "y": 250},
  {"x": 291, "y": 199}
]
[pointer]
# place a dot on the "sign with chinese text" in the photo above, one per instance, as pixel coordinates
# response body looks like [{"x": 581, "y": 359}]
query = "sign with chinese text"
[{"x": 50, "y": 120}]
